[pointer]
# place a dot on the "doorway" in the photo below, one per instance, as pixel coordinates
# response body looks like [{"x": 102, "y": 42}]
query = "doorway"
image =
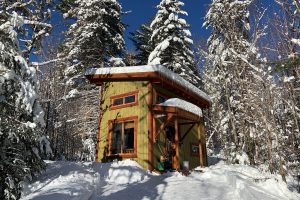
[{"x": 170, "y": 147}]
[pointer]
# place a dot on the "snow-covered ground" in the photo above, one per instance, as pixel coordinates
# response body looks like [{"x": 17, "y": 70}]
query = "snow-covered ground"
[{"x": 126, "y": 180}]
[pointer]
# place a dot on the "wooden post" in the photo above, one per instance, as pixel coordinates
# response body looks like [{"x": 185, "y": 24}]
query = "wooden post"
[
  {"x": 200, "y": 144},
  {"x": 177, "y": 163},
  {"x": 205, "y": 149},
  {"x": 154, "y": 129},
  {"x": 150, "y": 125}
]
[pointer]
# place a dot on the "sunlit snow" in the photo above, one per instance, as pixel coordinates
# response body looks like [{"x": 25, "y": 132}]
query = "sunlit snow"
[{"x": 126, "y": 180}]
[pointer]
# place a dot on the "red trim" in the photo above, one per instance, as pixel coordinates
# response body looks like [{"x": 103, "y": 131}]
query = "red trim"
[
  {"x": 205, "y": 149},
  {"x": 150, "y": 125},
  {"x": 136, "y": 102},
  {"x": 121, "y": 120},
  {"x": 200, "y": 145},
  {"x": 176, "y": 163}
]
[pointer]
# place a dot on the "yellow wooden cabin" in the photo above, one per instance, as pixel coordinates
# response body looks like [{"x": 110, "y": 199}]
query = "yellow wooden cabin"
[{"x": 151, "y": 115}]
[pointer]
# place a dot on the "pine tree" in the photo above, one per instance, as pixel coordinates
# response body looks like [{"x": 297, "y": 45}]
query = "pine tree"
[
  {"x": 94, "y": 40},
  {"x": 141, "y": 40},
  {"x": 20, "y": 112},
  {"x": 95, "y": 37},
  {"x": 172, "y": 41}
]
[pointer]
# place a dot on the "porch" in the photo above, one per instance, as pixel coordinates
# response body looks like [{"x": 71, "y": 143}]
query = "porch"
[{"x": 172, "y": 127}]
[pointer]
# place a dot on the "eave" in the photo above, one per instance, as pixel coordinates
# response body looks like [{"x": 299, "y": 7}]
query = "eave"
[{"x": 156, "y": 78}]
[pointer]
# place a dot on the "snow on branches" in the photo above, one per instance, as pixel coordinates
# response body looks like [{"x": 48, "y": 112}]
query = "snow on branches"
[{"x": 172, "y": 41}]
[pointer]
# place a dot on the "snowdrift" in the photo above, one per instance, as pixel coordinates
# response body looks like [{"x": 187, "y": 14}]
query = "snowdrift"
[{"x": 127, "y": 180}]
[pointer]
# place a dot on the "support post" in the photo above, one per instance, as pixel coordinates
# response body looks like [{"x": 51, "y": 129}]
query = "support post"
[
  {"x": 176, "y": 163},
  {"x": 154, "y": 129},
  {"x": 150, "y": 125},
  {"x": 200, "y": 144},
  {"x": 205, "y": 149}
]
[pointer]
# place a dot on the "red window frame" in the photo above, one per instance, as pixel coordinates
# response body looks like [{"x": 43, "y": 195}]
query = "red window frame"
[
  {"x": 123, "y": 96},
  {"x": 110, "y": 129}
]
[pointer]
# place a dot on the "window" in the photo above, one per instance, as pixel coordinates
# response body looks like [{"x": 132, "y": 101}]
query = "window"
[
  {"x": 129, "y": 99},
  {"x": 124, "y": 100},
  {"x": 160, "y": 98},
  {"x": 117, "y": 102},
  {"x": 194, "y": 149},
  {"x": 123, "y": 137}
]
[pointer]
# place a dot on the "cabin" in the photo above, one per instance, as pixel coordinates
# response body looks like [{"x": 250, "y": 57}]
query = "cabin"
[{"x": 151, "y": 115}]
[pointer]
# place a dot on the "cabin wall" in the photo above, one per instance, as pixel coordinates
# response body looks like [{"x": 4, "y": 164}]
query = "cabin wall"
[
  {"x": 185, "y": 147},
  {"x": 140, "y": 110},
  {"x": 166, "y": 93},
  {"x": 192, "y": 138}
]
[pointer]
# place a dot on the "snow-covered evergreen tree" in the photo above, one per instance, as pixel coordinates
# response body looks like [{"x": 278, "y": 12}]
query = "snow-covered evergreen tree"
[
  {"x": 94, "y": 40},
  {"x": 172, "y": 41},
  {"x": 95, "y": 37},
  {"x": 20, "y": 113},
  {"x": 141, "y": 38}
]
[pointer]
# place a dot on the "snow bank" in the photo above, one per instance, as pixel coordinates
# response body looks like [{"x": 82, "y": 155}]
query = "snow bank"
[
  {"x": 126, "y": 180},
  {"x": 244, "y": 182},
  {"x": 125, "y": 172},
  {"x": 184, "y": 105},
  {"x": 164, "y": 72}
]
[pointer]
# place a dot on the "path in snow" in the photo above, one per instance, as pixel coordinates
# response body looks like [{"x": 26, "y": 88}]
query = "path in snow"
[{"x": 126, "y": 180}]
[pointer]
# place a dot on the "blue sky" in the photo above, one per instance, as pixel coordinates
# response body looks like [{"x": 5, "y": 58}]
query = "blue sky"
[
  {"x": 139, "y": 12},
  {"x": 142, "y": 11}
]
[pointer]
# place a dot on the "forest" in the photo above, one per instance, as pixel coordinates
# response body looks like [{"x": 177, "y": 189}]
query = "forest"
[{"x": 249, "y": 66}]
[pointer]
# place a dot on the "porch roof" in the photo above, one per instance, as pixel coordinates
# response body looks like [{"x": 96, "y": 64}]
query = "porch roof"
[{"x": 179, "y": 108}]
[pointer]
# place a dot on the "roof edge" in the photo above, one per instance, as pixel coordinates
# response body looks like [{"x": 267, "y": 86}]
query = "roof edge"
[{"x": 108, "y": 72}]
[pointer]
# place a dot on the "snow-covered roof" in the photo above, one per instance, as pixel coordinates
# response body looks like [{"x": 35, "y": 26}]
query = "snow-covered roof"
[
  {"x": 161, "y": 70},
  {"x": 184, "y": 105}
]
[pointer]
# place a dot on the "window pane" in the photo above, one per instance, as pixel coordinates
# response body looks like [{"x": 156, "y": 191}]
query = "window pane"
[
  {"x": 116, "y": 139},
  {"x": 128, "y": 137},
  {"x": 195, "y": 149},
  {"x": 117, "y": 102},
  {"x": 130, "y": 99},
  {"x": 160, "y": 99}
]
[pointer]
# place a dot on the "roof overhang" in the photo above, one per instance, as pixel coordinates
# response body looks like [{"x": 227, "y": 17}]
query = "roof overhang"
[{"x": 156, "y": 74}]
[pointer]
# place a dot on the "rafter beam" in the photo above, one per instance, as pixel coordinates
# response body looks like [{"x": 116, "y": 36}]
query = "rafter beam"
[{"x": 163, "y": 126}]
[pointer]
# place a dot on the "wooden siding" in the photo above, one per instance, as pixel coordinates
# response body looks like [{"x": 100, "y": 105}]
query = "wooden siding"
[
  {"x": 185, "y": 149},
  {"x": 140, "y": 110},
  {"x": 191, "y": 137}
]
